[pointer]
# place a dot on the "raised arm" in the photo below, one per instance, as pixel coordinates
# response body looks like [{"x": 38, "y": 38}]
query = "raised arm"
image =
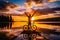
[
  {"x": 34, "y": 13},
  {"x": 26, "y": 14}
]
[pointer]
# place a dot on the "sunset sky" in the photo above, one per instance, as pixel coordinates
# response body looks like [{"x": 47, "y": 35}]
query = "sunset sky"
[{"x": 18, "y": 7}]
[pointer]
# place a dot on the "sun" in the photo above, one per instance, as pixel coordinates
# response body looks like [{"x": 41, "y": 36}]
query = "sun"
[{"x": 32, "y": 18}]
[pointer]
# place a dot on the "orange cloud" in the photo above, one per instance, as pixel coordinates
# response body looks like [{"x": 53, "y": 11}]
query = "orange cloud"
[
  {"x": 32, "y": 4},
  {"x": 52, "y": 0},
  {"x": 11, "y": 6}
]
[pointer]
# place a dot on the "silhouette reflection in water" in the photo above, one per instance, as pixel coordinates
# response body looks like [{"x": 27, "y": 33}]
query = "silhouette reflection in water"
[{"x": 5, "y": 25}]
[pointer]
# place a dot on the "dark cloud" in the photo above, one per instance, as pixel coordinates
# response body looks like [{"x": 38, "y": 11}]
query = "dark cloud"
[
  {"x": 5, "y": 4},
  {"x": 47, "y": 10},
  {"x": 36, "y": 1},
  {"x": 6, "y": 7}
]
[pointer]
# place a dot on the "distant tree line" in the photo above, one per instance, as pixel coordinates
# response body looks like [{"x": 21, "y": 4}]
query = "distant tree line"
[
  {"x": 5, "y": 21},
  {"x": 5, "y": 18},
  {"x": 56, "y": 19}
]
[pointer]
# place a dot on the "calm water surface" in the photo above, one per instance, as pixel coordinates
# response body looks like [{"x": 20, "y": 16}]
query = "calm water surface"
[
  {"x": 39, "y": 25},
  {"x": 21, "y": 24}
]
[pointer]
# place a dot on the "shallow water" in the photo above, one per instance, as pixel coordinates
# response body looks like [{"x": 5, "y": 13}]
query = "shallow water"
[{"x": 18, "y": 25}]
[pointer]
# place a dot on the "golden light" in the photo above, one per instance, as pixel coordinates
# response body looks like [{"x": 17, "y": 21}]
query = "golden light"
[{"x": 32, "y": 18}]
